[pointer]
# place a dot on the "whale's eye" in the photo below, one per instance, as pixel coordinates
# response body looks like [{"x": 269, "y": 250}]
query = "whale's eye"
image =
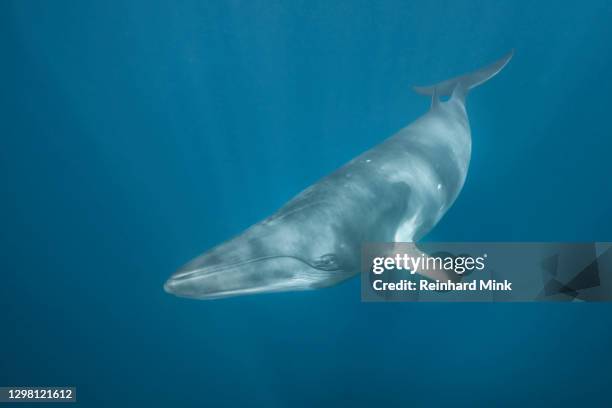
[{"x": 328, "y": 262}]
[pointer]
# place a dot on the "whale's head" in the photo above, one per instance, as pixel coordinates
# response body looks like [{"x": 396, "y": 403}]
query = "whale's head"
[{"x": 272, "y": 256}]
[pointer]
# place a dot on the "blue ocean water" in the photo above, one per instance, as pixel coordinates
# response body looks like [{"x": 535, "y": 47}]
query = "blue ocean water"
[{"x": 137, "y": 134}]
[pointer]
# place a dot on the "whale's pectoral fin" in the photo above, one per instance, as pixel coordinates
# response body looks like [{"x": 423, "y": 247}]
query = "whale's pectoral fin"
[
  {"x": 459, "y": 86},
  {"x": 431, "y": 270},
  {"x": 440, "y": 274}
]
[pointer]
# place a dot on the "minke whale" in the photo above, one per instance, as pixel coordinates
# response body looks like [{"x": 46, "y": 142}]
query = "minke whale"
[{"x": 394, "y": 192}]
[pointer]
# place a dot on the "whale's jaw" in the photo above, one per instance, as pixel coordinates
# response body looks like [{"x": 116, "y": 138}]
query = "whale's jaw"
[{"x": 259, "y": 275}]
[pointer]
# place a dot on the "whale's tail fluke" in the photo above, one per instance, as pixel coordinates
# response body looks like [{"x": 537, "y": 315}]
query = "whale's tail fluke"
[{"x": 465, "y": 82}]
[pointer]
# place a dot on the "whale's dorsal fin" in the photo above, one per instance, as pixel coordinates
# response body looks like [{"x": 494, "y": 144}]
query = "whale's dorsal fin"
[{"x": 459, "y": 86}]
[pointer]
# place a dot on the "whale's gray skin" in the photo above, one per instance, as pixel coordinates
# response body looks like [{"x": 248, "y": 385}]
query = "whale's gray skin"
[{"x": 396, "y": 191}]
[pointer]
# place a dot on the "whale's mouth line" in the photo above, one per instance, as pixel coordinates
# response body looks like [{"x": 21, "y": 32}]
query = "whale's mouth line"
[{"x": 214, "y": 271}]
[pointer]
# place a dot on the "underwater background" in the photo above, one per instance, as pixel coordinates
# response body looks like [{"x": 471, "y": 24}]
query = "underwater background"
[{"x": 137, "y": 134}]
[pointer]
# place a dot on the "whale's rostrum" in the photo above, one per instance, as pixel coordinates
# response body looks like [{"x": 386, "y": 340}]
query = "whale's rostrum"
[{"x": 394, "y": 192}]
